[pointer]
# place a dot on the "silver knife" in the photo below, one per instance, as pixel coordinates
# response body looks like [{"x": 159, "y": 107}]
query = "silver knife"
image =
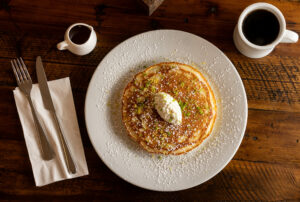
[{"x": 48, "y": 104}]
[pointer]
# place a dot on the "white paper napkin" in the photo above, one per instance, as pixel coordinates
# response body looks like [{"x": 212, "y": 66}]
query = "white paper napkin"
[{"x": 46, "y": 172}]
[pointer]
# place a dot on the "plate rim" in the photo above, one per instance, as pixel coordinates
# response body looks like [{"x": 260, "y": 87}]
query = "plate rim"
[{"x": 243, "y": 130}]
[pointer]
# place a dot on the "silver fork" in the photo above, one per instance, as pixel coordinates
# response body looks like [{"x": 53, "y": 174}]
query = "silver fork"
[{"x": 25, "y": 84}]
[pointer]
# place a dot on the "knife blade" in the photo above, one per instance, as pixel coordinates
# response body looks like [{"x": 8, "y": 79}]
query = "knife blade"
[
  {"x": 42, "y": 79},
  {"x": 48, "y": 104}
]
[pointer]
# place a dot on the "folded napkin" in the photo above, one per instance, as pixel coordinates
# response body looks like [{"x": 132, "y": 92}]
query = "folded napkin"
[{"x": 46, "y": 172}]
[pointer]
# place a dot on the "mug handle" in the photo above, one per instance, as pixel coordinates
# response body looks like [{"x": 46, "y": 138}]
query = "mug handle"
[
  {"x": 290, "y": 37},
  {"x": 62, "y": 45}
]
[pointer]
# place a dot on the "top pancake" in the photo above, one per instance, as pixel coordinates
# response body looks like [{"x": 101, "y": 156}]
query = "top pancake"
[{"x": 194, "y": 95}]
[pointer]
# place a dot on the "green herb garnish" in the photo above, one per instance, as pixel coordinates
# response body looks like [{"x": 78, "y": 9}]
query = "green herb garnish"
[
  {"x": 183, "y": 105},
  {"x": 147, "y": 84},
  {"x": 140, "y": 109},
  {"x": 200, "y": 110},
  {"x": 153, "y": 89},
  {"x": 187, "y": 114}
]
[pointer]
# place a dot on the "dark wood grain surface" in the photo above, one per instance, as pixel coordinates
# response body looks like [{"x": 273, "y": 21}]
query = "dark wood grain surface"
[{"x": 267, "y": 165}]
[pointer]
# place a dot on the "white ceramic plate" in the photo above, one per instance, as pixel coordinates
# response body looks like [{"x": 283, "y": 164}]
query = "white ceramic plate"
[{"x": 123, "y": 156}]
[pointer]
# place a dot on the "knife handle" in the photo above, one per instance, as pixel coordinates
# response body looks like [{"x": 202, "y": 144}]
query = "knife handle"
[
  {"x": 46, "y": 150},
  {"x": 66, "y": 150}
]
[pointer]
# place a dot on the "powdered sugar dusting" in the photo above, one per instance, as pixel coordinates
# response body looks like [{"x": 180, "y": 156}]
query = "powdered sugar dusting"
[{"x": 124, "y": 156}]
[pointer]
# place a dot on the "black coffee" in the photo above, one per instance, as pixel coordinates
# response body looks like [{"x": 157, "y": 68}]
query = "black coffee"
[
  {"x": 261, "y": 27},
  {"x": 79, "y": 34}
]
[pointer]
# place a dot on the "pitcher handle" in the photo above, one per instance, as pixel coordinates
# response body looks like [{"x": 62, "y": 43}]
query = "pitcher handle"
[
  {"x": 62, "y": 45},
  {"x": 290, "y": 37}
]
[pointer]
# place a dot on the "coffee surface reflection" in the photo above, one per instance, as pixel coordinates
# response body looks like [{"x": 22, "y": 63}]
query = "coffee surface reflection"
[
  {"x": 79, "y": 34},
  {"x": 261, "y": 27}
]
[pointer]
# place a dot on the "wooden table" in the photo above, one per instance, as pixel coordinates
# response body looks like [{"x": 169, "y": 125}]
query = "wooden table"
[{"x": 266, "y": 166}]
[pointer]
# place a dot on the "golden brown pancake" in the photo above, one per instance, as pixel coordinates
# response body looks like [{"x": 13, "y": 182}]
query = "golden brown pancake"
[{"x": 194, "y": 95}]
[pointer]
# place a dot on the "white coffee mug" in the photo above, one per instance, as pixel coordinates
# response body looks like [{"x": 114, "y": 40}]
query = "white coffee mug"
[
  {"x": 79, "y": 49},
  {"x": 256, "y": 51}
]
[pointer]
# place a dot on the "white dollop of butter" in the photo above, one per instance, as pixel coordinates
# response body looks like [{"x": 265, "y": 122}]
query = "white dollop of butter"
[{"x": 168, "y": 108}]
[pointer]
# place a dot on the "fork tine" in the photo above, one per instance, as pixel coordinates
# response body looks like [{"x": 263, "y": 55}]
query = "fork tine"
[
  {"x": 18, "y": 71},
  {"x": 25, "y": 69},
  {"x": 15, "y": 72},
  {"x": 22, "y": 70}
]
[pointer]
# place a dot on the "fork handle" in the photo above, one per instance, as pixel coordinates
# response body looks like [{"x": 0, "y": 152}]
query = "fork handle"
[
  {"x": 65, "y": 147},
  {"x": 47, "y": 151}
]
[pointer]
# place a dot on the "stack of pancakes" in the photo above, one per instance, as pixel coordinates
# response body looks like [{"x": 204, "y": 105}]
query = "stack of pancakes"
[{"x": 194, "y": 95}]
